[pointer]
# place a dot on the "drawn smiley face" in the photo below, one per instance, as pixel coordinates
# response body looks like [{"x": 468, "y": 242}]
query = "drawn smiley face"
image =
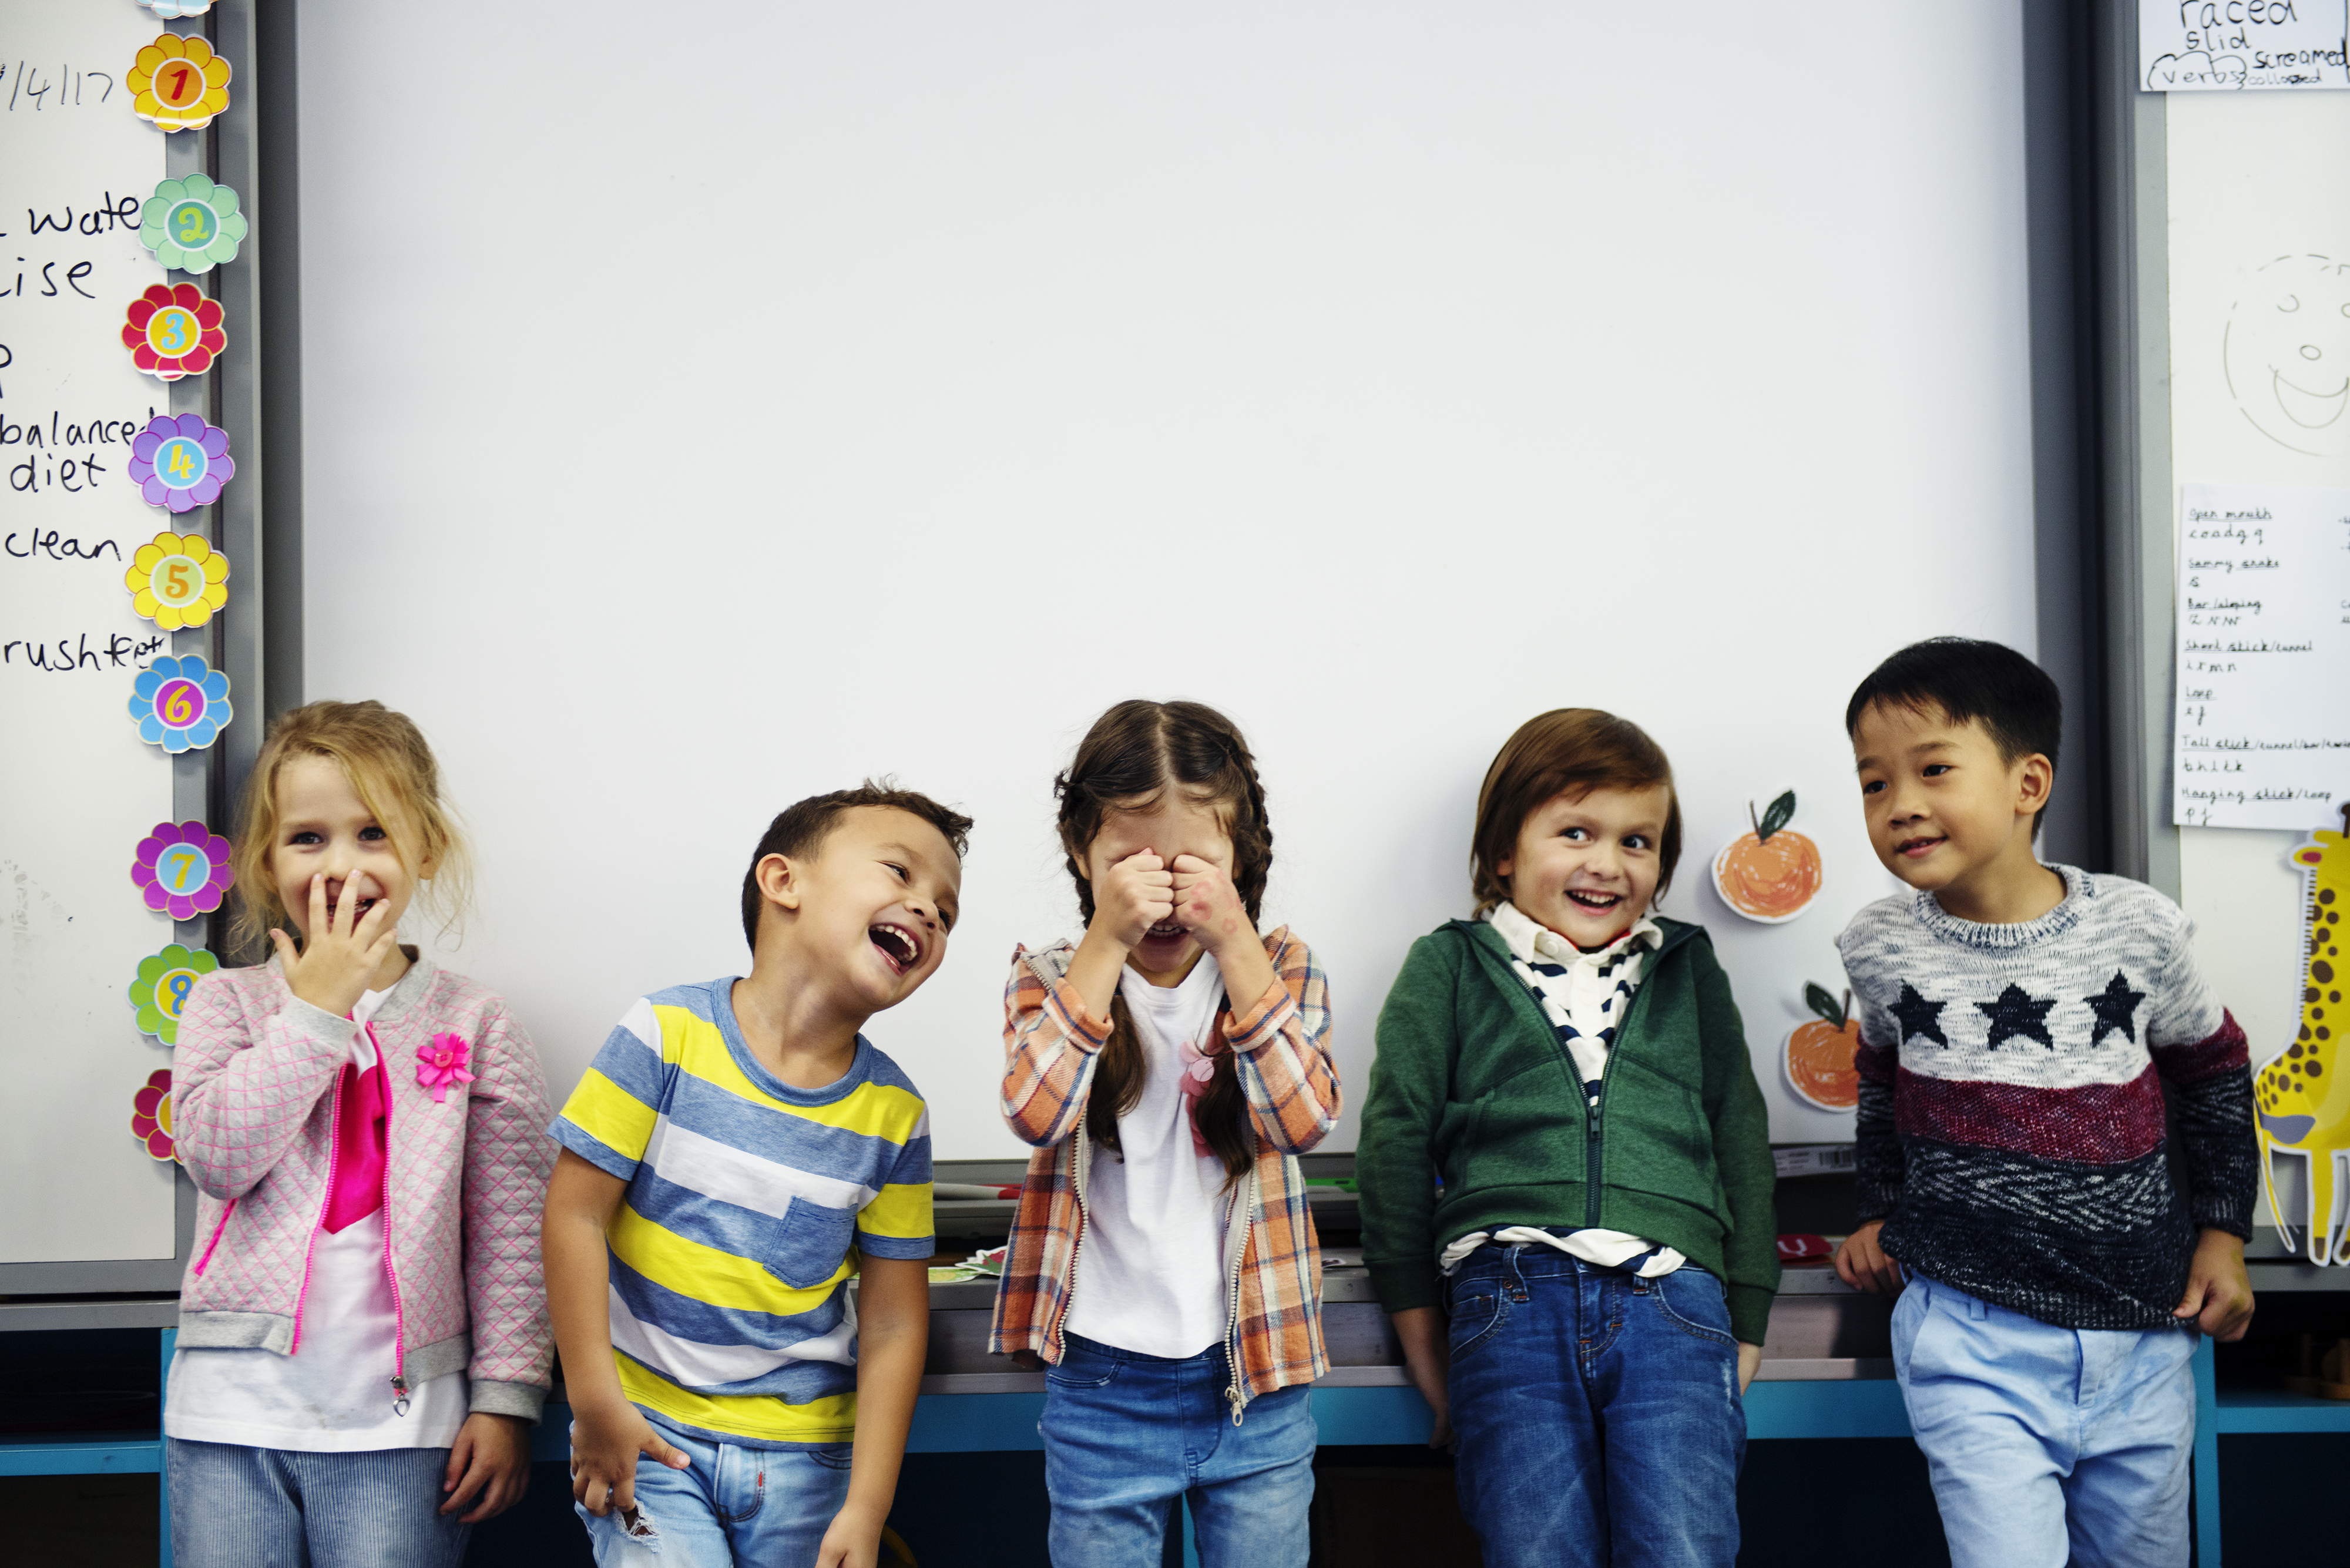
[{"x": 2287, "y": 352}]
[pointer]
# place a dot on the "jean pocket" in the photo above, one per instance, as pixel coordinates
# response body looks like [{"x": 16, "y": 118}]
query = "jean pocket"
[
  {"x": 814, "y": 1241},
  {"x": 1079, "y": 1368},
  {"x": 833, "y": 1456},
  {"x": 1696, "y": 1303},
  {"x": 1478, "y": 1309}
]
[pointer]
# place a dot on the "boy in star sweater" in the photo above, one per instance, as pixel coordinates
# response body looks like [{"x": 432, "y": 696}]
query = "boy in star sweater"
[{"x": 2019, "y": 1025}]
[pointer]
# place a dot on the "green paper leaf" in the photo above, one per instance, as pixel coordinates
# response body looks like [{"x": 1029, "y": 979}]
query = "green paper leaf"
[
  {"x": 1819, "y": 1001},
  {"x": 1782, "y": 812}
]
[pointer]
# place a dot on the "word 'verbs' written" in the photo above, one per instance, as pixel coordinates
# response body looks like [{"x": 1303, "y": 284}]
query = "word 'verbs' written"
[{"x": 2261, "y": 729}]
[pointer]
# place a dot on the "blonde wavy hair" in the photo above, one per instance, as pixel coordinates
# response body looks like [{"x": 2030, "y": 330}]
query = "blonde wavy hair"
[{"x": 391, "y": 769}]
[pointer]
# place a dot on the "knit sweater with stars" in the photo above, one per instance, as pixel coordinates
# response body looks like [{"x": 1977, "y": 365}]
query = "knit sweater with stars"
[{"x": 2011, "y": 1131}]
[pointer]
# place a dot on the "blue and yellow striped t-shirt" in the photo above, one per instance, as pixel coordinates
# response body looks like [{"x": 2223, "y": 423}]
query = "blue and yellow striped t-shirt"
[{"x": 731, "y": 1250}]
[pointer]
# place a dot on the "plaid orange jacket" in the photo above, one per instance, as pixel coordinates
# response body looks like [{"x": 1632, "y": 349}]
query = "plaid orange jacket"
[{"x": 1283, "y": 1041}]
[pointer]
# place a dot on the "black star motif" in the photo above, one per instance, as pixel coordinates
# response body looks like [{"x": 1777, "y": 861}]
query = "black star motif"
[
  {"x": 2016, "y": 1013},
  {"x": 1920, "y": 1016},
  {"x": 2114, "y": 1007}
]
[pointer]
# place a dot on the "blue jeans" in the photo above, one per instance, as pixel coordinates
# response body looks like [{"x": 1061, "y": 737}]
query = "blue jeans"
[
  {"x": 2048, "y": 1445},
  {"x": 762, "y": 1507},
  {"x": 1126, "y": 1434},
  {"x": 239, "y": 1507},
  {"x": 1598, "y": 1414}
]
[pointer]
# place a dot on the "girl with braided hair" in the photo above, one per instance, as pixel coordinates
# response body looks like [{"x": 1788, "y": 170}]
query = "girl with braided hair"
[{"x": 1168, "y": 1069}]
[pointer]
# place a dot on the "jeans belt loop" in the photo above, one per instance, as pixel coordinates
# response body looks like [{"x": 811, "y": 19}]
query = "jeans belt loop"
[
  {"x": 1515, "y": 1252},
  {"x": 1977, "y": 1310}
]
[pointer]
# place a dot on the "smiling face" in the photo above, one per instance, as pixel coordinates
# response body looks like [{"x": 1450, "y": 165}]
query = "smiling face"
[
  {"x": 1169, "y": 825},
  {"x": 324, "y": 829},
  {"x": 1947, "y": 813},
  {"x": 2288, "y": 353},
  {"x": 1586, "y": 866},
  {"x": 876, "y": 900}
]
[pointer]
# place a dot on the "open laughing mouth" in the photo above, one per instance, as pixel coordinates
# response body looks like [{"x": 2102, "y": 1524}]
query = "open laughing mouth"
[
  {"x": 359, "y": 910},
  {"x": 899, "y": 947},
  {"x": 1593, "y": 902},
  {"x": 1164, "y": 930},
  {"x": 1912, "y": 848}
]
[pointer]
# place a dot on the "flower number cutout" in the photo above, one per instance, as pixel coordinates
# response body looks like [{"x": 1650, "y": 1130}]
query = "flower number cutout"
[
  {"x": 160, "y": 990},
  {"x": 178, "y": 83},
  {"x": 191, "y": 224},
  {"x": 182, "y": 704},
  {"x": 170, "y": 10},
  {"x": 180, "y": 462},
  {"x": 177, "y": 580},
  {"x": 150, "y": 1114},
  {"x": 441, "y": 1064},
  {"x": 174, "y": 332},
  {"x": 182, "y": 871}
]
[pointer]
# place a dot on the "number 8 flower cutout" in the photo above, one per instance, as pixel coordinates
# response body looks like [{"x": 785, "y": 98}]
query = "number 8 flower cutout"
[
  {"x": 179, "y": 464},
  {"x": 191, "y": 224},
  {"x": 181, "y": 705},
  {"x": 178, "y": 83},
  {"x": 182, "y": 871},
  {"x": 177, "y": 580},
  {"x": 174, "y": 332}
]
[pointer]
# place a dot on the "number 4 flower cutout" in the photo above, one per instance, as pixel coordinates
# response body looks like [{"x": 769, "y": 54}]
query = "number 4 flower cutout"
[
  {"x": 177, "y": 580},
  {"x": 178, "y": 83},
  {"x": 173, "y": 331},
  {"x": 179, "y": 464}
]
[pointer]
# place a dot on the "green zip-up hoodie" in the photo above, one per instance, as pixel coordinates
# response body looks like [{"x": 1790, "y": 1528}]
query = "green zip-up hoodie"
[{"x": 1471, "y": 1083}]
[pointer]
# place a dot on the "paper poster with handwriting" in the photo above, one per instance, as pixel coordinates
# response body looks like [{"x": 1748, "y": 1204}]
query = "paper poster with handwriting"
[
  {"x": 2263, "y": 732},
  {"x": 2240, "y": 45}
]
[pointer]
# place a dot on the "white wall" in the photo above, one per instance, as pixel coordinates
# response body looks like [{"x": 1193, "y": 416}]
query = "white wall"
[{"x": 759, "y": 396}]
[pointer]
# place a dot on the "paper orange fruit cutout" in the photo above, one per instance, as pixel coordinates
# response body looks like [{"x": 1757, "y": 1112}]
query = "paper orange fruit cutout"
[
  {"x": 1818, "y": 1054},
  {"x": 1772, "y": 874}
]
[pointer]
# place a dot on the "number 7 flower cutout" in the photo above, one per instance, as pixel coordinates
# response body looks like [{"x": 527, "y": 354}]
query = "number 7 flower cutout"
[
  {"x": 182, "y": 871},
  {"x": 178, "y": 83},
  {"x": 177, "y": 580}
]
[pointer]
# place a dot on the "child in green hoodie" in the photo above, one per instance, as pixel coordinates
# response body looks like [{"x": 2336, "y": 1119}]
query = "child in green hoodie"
[{"x": 1565, "y": 1171}]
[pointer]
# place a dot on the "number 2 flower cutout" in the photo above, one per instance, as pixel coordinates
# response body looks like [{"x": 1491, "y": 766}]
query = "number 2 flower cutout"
[
  {"x": 159, "y": 991},
  {"x": 179, "y": 464},
  {"x": 182, "y": 871},
  {"x": 181, "y": 705},
  {"x": 177, "y": 580},
  {"x": 150, "y": 1114},
  {"x": 173, "y": 331},
  {"x": 178, "y": 83},
  {"x": 191, "y": 224}
]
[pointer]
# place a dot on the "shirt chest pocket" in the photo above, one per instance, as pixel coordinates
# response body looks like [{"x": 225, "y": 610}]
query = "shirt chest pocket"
[{"x": 809, "y": 1243}]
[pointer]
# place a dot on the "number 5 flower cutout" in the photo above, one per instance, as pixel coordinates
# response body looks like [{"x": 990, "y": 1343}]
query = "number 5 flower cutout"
[
  {"x": 178, "y": 83},
  {"x": 174, "y": 332},
  {"x": 177, "y": 580},
  {"x": 183, "y": 871},
  {"x": 191, "y": 224},
  {"x": 179, "y": 464},
  {"x": 150, "y": 1114},
  {"x": 181, "y": 705}
]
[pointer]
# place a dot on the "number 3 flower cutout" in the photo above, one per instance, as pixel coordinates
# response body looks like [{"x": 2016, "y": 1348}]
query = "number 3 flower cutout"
[
  {"x": 174, "y": 332},
  {"x": 178, "y": 83},
  {"x": 161, "y": 991},
  {"x": 183, "y": 871},
  {"x": 179, "y": 464},
  {"x": 177, "y": 580},
  {"x": 181, "y": 705},
  {"x": 191, "y": 224},
  {"x": 150, "y": 1114}
]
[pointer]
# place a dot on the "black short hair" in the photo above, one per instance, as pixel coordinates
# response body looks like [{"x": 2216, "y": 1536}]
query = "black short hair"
[
  {"x": 1971, "y": 680},
  {"x": 799, "y": 829}
]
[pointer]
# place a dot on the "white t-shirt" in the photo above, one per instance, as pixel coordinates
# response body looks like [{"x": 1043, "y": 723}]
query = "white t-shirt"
[
  {"x": 1151, "y": 1266},
  {"x": 333, "y": 1394}
]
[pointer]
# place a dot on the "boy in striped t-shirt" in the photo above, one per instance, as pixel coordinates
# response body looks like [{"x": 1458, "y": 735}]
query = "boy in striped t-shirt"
[{"x": 735, "y": 1154}]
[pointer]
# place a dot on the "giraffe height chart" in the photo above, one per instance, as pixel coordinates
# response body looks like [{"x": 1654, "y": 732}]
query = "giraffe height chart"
[{"x": 2262, "y": 730}]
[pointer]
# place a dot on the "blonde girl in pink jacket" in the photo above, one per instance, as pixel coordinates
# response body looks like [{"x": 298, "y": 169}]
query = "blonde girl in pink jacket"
[{"x": 363, "y": 1339}]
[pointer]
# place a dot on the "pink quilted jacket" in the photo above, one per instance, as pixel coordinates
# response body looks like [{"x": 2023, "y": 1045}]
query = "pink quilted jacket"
[{"x": 253, "y": 1084}]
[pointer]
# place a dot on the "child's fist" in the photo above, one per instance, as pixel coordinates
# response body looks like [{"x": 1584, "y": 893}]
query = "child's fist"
[
  {"x": 1135, "y": 894},
  {"x": 1209, "y": 906}
]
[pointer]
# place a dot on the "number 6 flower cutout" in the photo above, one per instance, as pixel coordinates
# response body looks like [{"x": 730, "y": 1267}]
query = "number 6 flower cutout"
[
  {"x": 174, "y": 332},
  {"x": 182, "y": 871},
  {"x": 182, "y": 704},
  {"x": 178, "y": 83},
  {"x": 179, "y": 464},
  {"x": 191, "y": 224},
  {"x": 177, "y": 580},
  {"x": 159, "y": 991}
]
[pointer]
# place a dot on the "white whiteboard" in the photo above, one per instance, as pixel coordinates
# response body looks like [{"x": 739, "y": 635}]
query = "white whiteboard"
[{"x": 790, "y": 392}]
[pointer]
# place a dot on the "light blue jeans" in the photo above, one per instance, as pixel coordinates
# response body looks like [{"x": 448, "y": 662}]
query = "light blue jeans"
[
  {"x": 1127, "y": 1435},
  {"x": 762, "y": 1507},
  {"x": 2048, "y": 1445},
  {"x": 239, "y": 1507}
]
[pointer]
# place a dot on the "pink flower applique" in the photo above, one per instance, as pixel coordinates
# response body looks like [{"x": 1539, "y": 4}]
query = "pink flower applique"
[
  {"x": 1197, "y": 1072},
  {"x": 443, "y": 1063}
]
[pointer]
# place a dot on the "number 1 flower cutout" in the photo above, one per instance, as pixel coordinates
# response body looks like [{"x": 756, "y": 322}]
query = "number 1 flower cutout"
[
  {"x": 159, "y": 991},
  {"x": 150, "y": 1114},
  {"x": 173, "y": 331},
  {"x": 182, "y": 871},
  {"x": 191, "y": 224},
  {"x": 178, "y": 83},
  {"x": 177, "y": 580},
  {"x": 182, "y": 704},
  {"x": 179, "y": 464}
]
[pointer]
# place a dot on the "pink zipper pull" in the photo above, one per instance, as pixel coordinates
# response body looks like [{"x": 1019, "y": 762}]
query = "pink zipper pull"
[{"x": 399, "y": 1395}]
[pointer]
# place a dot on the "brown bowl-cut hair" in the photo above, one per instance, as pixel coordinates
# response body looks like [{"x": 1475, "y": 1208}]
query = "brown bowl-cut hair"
[{"x": 1569, "y": 752}]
